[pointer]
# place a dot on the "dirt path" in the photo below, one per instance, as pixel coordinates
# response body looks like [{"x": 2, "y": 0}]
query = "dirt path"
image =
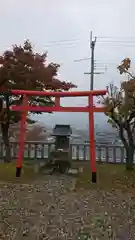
[{"x": 50, "y": 209}]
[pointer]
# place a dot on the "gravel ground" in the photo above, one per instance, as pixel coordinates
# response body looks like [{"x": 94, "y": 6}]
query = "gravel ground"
[{"x": 52, "y": 209}]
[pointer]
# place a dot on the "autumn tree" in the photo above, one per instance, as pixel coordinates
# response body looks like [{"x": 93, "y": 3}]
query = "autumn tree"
[
  {"x": 120, "y": 109},
  {"x": 23, "y": 68}
]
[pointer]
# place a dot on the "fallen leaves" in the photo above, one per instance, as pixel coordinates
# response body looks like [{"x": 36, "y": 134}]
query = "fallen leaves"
[{"x": 48, "y": 208}]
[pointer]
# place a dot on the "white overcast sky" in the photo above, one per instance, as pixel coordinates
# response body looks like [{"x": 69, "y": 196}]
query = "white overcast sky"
[{"x": 70, "y": 22}]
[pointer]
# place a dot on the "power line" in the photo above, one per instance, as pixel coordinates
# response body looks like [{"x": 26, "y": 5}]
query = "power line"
[
  {"x": 110, "y": 39},
  {"x": 116, "y": 46},
  {"x": 115, "y": 37},
  {"x": 102, "y": 41},
  {"x": 98, "y": 63},
  {"x": 81, "y": 59},
  {"x": 59, "y": 44},
  {"x": 64, "y": 45},
  {"x": 64, "y": 40},
  {"x": 117, "y": 41},
  {"x": 75, "y": 38},
  {"x": 107, "y": 38},
  {"x": 76, "y": 44}
]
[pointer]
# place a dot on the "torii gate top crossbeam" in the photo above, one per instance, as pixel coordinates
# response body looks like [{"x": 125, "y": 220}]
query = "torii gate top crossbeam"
[{"x": 59, "y": 94}]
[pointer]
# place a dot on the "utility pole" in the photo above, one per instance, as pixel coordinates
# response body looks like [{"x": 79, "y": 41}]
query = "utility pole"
[
  {"x": 92, "y": 73},
  {"x": 92, "y": 61},
  {"x": 92, "y": 45}
]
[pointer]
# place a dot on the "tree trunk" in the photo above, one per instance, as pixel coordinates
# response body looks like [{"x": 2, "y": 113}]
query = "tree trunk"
[
  {"x": 129, "y": 158},
  {"x": 4, "y": 129},
  {"x": 128, "y": 145}
]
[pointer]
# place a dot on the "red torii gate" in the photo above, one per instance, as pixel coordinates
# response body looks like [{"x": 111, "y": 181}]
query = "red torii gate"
[{"x": 24, "y": 108}]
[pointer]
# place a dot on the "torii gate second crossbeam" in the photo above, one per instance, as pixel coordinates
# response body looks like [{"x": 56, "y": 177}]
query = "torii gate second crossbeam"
[{"x": 25, "y": 108}]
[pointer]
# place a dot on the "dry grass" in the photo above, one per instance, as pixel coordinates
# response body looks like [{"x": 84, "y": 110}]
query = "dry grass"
[
  {"x": 65, "y": 207},
  {"x": 109, "y": 177},
  {"x": 8, "y": 172}
]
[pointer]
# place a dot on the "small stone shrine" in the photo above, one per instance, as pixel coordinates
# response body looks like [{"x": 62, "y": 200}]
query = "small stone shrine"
[{"x": 61, "y": 155}]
